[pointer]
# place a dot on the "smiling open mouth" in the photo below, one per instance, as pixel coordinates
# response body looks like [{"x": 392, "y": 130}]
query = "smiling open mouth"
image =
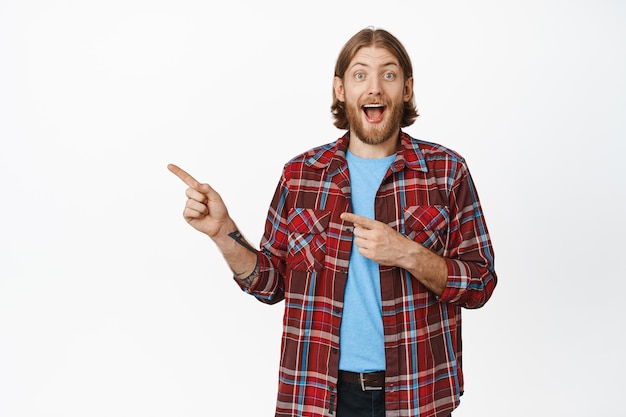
[{"x": 374, "y": 112}]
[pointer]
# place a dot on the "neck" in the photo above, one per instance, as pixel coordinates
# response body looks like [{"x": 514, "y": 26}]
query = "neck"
[{"x": 372, "y": 151}]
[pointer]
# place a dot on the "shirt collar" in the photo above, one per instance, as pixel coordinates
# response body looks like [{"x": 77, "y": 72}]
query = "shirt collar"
[{"x": 409, "y": 154}]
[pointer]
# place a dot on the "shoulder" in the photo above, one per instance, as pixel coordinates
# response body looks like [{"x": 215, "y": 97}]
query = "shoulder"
[
  {"x": 436, "y": 160},
  {"x": 317, "y": 158},
  {"x": 316, "y": 154},
  {"x": 435, "y": 151}
]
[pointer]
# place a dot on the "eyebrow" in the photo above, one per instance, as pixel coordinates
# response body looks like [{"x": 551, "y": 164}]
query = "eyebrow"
[{"x": 388, "y": 64}]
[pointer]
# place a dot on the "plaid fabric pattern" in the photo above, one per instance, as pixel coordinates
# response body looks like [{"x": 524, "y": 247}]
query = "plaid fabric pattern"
[{"x": 428, "y": 195}]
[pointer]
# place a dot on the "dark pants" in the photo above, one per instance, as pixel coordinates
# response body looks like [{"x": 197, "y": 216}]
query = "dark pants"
[{"x": 352, "y": 401}]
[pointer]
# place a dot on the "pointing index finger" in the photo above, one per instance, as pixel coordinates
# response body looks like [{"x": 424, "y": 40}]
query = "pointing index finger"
[
  {"x": 184, "y": 175},
  {"x": 358, "y": 220}
]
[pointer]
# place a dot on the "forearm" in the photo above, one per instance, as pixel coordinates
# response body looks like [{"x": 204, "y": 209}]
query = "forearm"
[
  {"x": 240, "y": 256},
  {"x": 426, "y": 266}
]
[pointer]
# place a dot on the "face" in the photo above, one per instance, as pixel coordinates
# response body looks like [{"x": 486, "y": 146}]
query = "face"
[{"x": 374, "y": 91}]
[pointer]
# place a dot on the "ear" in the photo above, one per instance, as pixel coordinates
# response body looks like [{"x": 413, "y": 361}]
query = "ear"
[
  {"x": 408, "y": 89},
  {"x": 338, "y": 87}
]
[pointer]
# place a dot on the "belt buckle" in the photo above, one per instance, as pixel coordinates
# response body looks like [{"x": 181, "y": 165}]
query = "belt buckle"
[{"x": 365, "y": 387}]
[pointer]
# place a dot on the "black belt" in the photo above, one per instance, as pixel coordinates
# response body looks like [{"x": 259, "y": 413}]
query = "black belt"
[{"x": 369, "y": 381}]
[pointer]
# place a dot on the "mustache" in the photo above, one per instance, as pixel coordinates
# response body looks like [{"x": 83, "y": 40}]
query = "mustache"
[{"x": 370, "y": 102}]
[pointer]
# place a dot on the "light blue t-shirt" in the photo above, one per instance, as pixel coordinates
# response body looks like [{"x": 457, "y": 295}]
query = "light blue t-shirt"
[{"x": 361, "y": 338}]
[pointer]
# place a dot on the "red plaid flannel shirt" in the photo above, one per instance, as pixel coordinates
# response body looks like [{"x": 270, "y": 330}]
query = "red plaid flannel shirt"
[{"x": 427, "y": 195}]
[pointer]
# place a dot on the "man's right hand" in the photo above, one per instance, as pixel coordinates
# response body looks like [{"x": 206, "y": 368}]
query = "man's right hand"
[{"x": 205, "y": 210}]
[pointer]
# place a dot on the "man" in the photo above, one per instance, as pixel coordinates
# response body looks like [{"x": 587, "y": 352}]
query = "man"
[{"x": 374, "y": 242}]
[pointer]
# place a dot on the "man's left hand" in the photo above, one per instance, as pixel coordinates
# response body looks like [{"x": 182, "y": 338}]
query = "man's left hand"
[{"x": 377, "y": 241}]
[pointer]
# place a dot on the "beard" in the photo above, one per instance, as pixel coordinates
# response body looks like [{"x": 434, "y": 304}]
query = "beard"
[{"x": 379, "y": 133}]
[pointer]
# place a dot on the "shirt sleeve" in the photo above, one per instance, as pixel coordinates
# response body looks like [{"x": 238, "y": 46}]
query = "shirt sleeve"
[
  {"x": 470, "y": 258},
  {"x": 269, "y": 287}
]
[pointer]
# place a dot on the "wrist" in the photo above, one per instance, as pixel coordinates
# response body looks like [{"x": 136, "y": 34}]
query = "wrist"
[{"x": 221, "y": 236}]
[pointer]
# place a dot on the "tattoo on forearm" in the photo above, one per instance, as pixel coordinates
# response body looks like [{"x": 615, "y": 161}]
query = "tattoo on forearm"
[
  {"x": 236, "y": 235},
  {"x": 248, "y": 280}
]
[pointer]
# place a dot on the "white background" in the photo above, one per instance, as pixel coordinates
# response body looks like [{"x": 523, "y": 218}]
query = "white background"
[{"x": 111, "y": 305}]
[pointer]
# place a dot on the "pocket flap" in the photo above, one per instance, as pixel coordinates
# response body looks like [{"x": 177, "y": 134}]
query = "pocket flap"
[
  {"x": 426, "y": 217},
  {"x": 304, "y": 220}
]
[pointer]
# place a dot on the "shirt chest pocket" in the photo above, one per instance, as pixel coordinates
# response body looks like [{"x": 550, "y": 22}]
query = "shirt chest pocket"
[
  {"x": 307, "y": 239},
  {"x": 427, "y": 225}
]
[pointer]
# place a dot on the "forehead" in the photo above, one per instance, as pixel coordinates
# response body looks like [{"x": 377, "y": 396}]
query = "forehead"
[{"x": 374, "y": 56}]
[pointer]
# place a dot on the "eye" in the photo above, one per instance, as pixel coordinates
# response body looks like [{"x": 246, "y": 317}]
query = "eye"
[
  {"x": 389, "y": 76},
  {"x": 359, "y": 76}
]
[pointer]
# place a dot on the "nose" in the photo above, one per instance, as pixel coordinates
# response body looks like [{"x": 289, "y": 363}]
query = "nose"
[{"x": 374, "y": 86}]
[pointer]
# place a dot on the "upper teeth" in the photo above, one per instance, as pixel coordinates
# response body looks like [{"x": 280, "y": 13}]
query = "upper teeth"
[{"x": 373, "y": 105}]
